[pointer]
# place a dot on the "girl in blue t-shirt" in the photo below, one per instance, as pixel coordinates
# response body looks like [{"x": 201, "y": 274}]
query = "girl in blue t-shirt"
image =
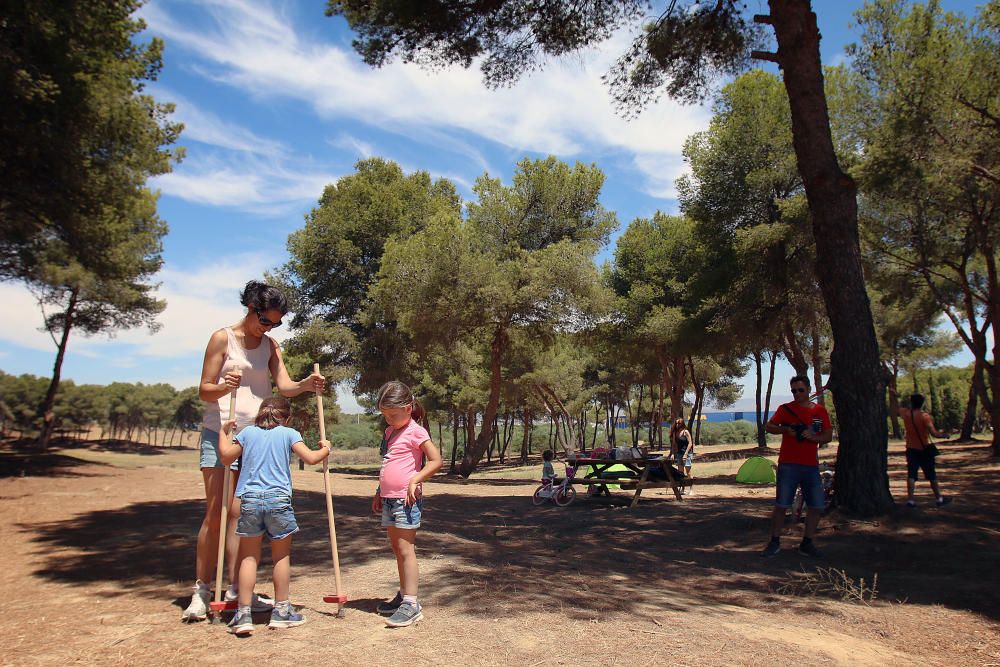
[{"x": 265, "y": 491}]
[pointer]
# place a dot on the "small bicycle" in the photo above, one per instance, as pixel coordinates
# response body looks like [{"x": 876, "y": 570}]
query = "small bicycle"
[{"x": 562, "y": 494}]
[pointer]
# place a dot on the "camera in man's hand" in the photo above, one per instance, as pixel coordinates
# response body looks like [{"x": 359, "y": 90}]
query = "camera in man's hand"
[{"x": 800, "y": 431}]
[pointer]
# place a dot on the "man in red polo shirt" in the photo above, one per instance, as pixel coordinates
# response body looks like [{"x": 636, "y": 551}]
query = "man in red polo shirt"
[{"x": 803, "y": 425}]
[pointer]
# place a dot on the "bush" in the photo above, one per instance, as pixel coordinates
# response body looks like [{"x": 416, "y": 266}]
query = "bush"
[
  {"x": 728, "y": 433},
  {"x": 352, "y": 436}
]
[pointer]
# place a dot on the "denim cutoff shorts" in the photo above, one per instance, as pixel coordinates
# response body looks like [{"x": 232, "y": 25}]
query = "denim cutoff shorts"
[
  {"x": 266, "y": 512},
  {"x": 210, "y": 451},
  {"x": 396, "y": 513},
  {"x": 793, "y": 475}
]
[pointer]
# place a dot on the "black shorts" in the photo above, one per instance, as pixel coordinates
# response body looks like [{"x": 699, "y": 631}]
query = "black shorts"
[{"x": 919, "y": 459}]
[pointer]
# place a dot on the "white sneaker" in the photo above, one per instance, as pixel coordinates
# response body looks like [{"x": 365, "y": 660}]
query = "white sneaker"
[
  {"x": 257, "y": 602},
  {"x": 198, "y": 609}
]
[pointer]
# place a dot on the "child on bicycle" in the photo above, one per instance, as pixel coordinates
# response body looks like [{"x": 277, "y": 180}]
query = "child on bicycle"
[{"x": 548, "y": 471}]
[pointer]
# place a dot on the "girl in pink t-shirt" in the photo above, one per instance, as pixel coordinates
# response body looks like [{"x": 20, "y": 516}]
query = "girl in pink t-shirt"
[{"x": 398, "y": 498}]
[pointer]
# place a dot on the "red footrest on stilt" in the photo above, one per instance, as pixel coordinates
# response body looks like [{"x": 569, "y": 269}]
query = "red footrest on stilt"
[
  {"x": 339, "y": 599},
  {"x": 223, "y": 606}
]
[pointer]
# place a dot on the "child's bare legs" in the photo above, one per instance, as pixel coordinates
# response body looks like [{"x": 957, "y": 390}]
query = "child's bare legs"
[
  {"x": 403, "y": 541},
  {"x": 249, "y": 557},
  {"x": 281, "y": 554},
  {"x": 232, "y": 539}
]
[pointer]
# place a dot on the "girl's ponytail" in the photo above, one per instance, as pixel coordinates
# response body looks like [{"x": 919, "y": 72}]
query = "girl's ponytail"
[
  {"x": 274, "y": 411},
  {"x": 419, "y": 415}
]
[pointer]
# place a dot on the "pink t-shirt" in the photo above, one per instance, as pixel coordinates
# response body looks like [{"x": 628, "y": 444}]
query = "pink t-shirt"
[{"x": 401, "y": 459}]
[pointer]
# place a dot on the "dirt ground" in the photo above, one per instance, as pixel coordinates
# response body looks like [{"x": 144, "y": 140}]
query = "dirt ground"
[{"x": 99, "y": 558}]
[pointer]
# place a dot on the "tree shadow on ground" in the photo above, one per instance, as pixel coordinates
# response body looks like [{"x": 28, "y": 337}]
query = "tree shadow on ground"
[
  {"x": 594, "y": 557},
  {"x": 120, "y": 446},
  {"x": 38, "y": 464}
]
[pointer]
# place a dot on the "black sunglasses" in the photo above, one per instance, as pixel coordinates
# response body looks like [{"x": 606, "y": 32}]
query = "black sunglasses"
[
  {"x": 264, "y": 322},
  {"x": 794, "y": 391}
]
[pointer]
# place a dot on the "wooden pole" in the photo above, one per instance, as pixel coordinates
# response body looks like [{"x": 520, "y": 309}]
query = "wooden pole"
[
  {"x": 219, "y": 605},
  {"x": 338, "y": 597}
]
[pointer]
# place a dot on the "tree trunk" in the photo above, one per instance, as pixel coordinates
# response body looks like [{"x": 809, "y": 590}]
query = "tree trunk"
[
  {"x": 817, "y": 367},
  {"x": 565, "y": 437},
  {"x": 993, "y": 308},
  {"x": 862, "y": 479},
  {"x": 638, "y": 413},
  {"x": 526, "y": 424},
  {"x": 613, "y": 412},
  {"x": 678, "y": 383},
  {"x": 770, "y": 388},
  {"x": 474, "y": 452},
  {"x": 897, "y": 432},
  {"x": 759, "y": 420},
  {"x": 971, "y": 408},
  {"x": 655, "y": 414},
  {"x": 933, "y": 398},
  {"x": 454, "y": 442},
  {"x": 48, "y": 416},
  {"x": 697, "y": 424},
  {"x": 793, "y": 351},
  {"x": 597, "y": 423}
]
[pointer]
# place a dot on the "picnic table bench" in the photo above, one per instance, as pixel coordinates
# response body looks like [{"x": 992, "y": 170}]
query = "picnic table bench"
[{"x": 636, "y": 476}]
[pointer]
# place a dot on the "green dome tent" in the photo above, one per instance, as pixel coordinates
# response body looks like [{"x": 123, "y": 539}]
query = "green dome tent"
[{"x": 756, "y": 470}]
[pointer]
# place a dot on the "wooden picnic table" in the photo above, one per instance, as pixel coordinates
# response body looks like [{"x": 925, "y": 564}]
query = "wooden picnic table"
[{"x": 599, "y": 475}]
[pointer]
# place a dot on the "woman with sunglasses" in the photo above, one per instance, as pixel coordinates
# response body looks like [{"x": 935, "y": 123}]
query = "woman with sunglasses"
[{"x": 241, "y": 357}]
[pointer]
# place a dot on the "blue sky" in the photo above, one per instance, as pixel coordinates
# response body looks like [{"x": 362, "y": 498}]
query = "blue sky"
[{"x": 277, "y": 105}]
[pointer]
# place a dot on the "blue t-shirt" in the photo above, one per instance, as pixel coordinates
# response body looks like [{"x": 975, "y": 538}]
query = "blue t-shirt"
[{"x": 266, "y": 454}]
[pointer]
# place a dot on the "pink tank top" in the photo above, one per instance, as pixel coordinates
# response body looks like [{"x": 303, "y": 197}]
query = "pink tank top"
[{"x": 256, "y": 385}]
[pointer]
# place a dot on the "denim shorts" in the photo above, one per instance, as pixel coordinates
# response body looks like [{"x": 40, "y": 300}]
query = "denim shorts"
[
  {"x": 918, "y": 459},
  {"x": 266, "y": 512},
  {"x": 210, "y": 451},
  {"x": 688, "y": 460},
  {"x": 396, "y": 513},
  {"x": 793, "y": 475}
]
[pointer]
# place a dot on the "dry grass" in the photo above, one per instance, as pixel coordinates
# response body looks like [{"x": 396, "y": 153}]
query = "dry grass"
[{"x": 831, "y": 582}]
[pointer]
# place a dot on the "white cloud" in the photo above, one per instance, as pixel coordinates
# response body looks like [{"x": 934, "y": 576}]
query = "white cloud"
[
  {"x": 362, "y": 149},
  {"x": 207, "y": 128},
  {"x": 559, "y": 110},
  {"x": 260, "y": 186},
  {"x": 198, "y": 302},
  {"x": 661, "y": 172},
  {"x": 23, "y": 330}
]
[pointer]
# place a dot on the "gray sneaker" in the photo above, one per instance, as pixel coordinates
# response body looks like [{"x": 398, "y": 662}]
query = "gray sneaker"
[
  {"x": 242, "y": 624},
  {"x": 389, "y": 608},
  {"x": 406, "y": 614},
  {"x": 289, "y": 619}
]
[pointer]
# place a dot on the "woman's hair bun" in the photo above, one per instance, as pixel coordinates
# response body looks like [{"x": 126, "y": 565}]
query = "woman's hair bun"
[{"x": 261, "y": 296}]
